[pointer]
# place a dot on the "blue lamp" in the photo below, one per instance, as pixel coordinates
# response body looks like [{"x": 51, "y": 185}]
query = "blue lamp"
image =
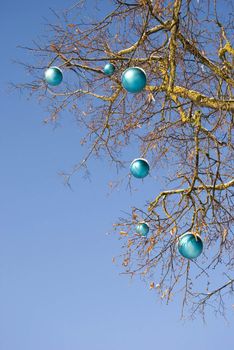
[
  {"x": 142, "y": 229},
  {"x": 139, "y": 168},
  {"x": 134, "y": 79},
  {"x": 53, "y": 76},
  {"x": 190, "y": 246},
  {"x": 109, "y": 69}
]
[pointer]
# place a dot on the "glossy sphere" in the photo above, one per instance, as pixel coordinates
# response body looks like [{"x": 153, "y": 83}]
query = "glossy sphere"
[
  {"x": 134, "y": 79},
  {"x": 142, "y": 229},
  {"x": 53, "y": 76},
  {"x": 190, "y": 246},
  {"x": 139, "y": 168},
  {"x": 109, "y": 69}
]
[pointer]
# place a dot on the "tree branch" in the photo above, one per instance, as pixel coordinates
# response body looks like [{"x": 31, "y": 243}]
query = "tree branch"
[{"x": 219, "y": 187}]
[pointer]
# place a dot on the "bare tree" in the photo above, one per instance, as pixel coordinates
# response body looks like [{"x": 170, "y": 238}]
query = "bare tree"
[{"x": 184, "y": 118}]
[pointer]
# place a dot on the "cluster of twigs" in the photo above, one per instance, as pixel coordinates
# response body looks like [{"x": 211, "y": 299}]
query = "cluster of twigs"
[{"x": 184, "y": 118}]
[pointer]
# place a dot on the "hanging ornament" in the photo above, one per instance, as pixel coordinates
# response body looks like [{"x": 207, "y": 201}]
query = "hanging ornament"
[
  {"x": 139, "y": 168},
  {"x": 142, "y": 229},
  {"x": 109, "y": 69},
  {"x": 190, "y": 246},
  {"x": 53, "y": 76},
  {"x": 134, "y": 79}
]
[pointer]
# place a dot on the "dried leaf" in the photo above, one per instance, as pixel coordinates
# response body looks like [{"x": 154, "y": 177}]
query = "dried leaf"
[
  {"x": 123, "y": 233},
  {"x": 173, "y": 230},
  {"x": 125, "y": 262}
]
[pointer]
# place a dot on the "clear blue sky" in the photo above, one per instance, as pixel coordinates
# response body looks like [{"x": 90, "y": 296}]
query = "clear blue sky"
[{"x": 58, "y": 287}]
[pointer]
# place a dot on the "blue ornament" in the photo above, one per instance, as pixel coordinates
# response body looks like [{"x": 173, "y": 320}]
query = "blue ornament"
[
  {"x": 142, "y": 229},
  {"x": 53, "y": 76},
  {"x": 190, "y": 246},
  {"x": 134, "y": 79},
  {"x": 109, "y": 69},
  {"x": 139, "y": 168}
]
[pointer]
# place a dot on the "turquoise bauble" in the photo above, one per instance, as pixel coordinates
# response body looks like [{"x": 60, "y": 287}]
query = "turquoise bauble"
[
  {"x": 142, "y": 229},
  {"x": 53, "y": 76},
  {"x": 109, "y": 69},
  {"x": 134, "y": 79},
  {"x": 139, "y": 168},
  {"x": 190, "y": 246}
]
